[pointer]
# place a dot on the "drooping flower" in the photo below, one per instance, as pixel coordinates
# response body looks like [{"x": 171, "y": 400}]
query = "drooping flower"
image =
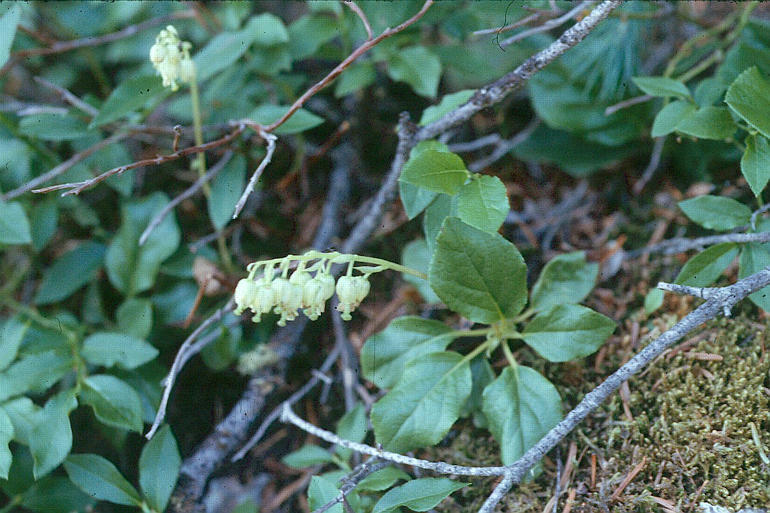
[
  {"x": 264, "y": 299},
  {"x": 170, "y": 56},
  {"x": 288, "y": 299},
  {"x": 316, "y": 292},
  {"x": 244, "y": 295},
  {"x": 351, "y": 290}
]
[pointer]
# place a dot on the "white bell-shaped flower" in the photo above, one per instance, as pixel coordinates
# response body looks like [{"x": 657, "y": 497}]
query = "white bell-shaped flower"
[
  {"x": 316, "y": 293},
  {"x": 351, "y": 290},
  {"x": 264, "y": 299},
  {"x": 288, "y": 299},
  {"x": 244, "y": 295}
]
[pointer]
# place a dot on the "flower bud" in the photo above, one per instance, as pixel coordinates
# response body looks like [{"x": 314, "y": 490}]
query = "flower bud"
[{"x": 244, "y": 295}]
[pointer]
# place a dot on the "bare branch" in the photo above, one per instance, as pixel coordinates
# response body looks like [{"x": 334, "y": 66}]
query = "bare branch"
[
  {"x": 354, "y": 7},
  {"x": 350, "y": 481},
  {"x": 171, "y": 205},
  {"x": 270, "y": 138},
  {"x": 679, "y": 245},
  {"x": 612, "y": 109},
  {"x": 516, "y": 24},
  {"x": 548, "y": 25},
  {"x": 657, "y": 152},
  {"x": 69, "y": 97},
  {"x": 504, "y": 147}
]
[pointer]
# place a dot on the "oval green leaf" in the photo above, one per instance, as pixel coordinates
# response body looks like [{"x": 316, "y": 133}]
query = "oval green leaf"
[
  {"x": 749, "y": 97},
  {"x": 566, "y": 278},
  {"x": 483, "y": 203},
  {"x": 110, "y": 349},
  {"x": 159, "y": 467},
  {"x": 755, "y": 163},
  {"x": 662, "y": 87},
  {"x": 114, "y": 402},
  {"x": 436, "y": 171},
  {"x": 704, "y": 268},
  {"x": 566, "y": 332},
  {"x": 418, "y": 494},
  {"x": 100, "y": 479},
  {"x": 716, "y": 212}
]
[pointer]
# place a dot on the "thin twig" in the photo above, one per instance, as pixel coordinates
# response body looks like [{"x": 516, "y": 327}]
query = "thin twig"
[
  {"x": 64, "y": 166},
  {"x": 612, "y": 109},
  {"x": 78, "y": 187},
  {"x": 171, "y": 205},
  {"x": 657, "y": 152},
  {"x": 679, "y": 245},
  {"x": 270, "y": 138},
  {"x": 365, "y": 47},
  {"x": 548, "y": 25},
  {"x": 168, "y": 383},
  {"x": 354, "y": 7},
  {"x": 293, "y": 398},
  {"x": 504, "y": 147},
  {"x": 69, "y": 97},
  {"x": 506, "y": 28},
  {"x": 476, "y": 144}
]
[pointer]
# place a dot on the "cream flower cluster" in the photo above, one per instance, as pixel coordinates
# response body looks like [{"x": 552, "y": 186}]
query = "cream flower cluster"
[
  {"x": 171, "y": 58},
  {"x": 285, "y": 296}
]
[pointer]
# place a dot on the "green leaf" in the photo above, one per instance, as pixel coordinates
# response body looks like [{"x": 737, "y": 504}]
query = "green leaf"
[
  {"x": 14, "y": 225},
  {"x": 134, "y": 317},
  {"x": 382, "y": 479},
  {"x": 566, "y": 332},
  {"x": 130, "y": 95},
  {"x": 670, "y": 116},
  {"x": 100, "y": 479},
  {"x": 566, "y": 278},
  {"x": 662, "y": 87},
  {"x": 483, "y": 203},
  {"x": 415, "y": 199},
  {"x": 11, "y": 334},
  {"x": 418, "y": 495},
  {"x": 308, "y": 33},
  {"x": 418, "y": 67},
  {"x": 221, "y": 51},
  {"x": 8, "y": 23},
  {"x": 267, "y": 30},
  {"x": 653, "y": 300},
  {"x": 131, "y": 268},
  {"x": 424, "y": 404},
  {"x": 226, "y": 189},
  {"x": 709, "y": 91},
  {"x": 385, "y": 354},
  {"x": 352, "y": 426},
  {"x": 114, "y": 402},
  {"x": 51, "y": 439},
  {"x": 321, "y": 491},
  {"x": 441, "y": 208},
  {"x": 436, "y": 171},
  {"x": 159, "y": 467},
  {"x": 482, "y": 375},
  {"x": 70, "y": 272},
  {"x": 44, "y": 219},
  {"x": 749, "y": 97},
  {"x": 447, "y": 104},
  {"x": 224, "y": 350},
  {"x": 36, "y": 372},
  {"x": 359, "y": 75},
  {"x": 477, "y": 274},
  {"x": 109, "y": 349},
  {"x": 704, "y": 268},
  {"x": 755, "y": 163},
  {"x": 56, "y": 495},
  {"x": 23, "y": 414},
  {"x": 416, "y": 255},
  {"x": 708, "y": 123},
  {"x": 521, "y": 407},
  {"x": 6, "y": 435},
  {"x": 716, "y": 212},
  {"x": 300, "y": 121},
  {"x": 754, "y": 258},
  {"x": 307, "y": 456},
  {"x": 53, "y": 127}
]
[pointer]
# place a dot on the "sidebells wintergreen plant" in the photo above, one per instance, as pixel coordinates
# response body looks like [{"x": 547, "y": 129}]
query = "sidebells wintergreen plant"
[{"x": 171, "y": 58}]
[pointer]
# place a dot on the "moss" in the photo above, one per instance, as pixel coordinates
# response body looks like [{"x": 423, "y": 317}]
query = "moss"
[{"x": 691, "y": 417}]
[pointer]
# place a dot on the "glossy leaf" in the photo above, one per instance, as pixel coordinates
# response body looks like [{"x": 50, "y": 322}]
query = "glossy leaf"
[
  {"x": 708, "y": 123},
  {"x": 307, "y": 456},
  {"x": 36, "y": 372},
  {"x": 130, "y": 95},
  {"x": 477, "y": 274},
  {"x": 51, "y": 439},
  {"x": 566, "y": 278},
  {"x": 716, "y": 212},
  {"x": 663, "y": 87},
  {"x": 416, "y": 199},
  {"x": 159, "y": 467},
  {"x": 418, "y": 67},
  {"x": 320, "y": 491},
  {"x": 23, "y": 414},
  {"x": 14, "y": 225},
  {"x": 385, "y": 354},
  {"x": 110, "y": 349},
  {"x": 749, "y": 97},
  {"x": 55, "y": 494},
  {"x": 134, "y": 317},
  {"x": 300, "y": 121},
  {"x": 416, "y": 255},
  {"x": 754, "y": 258},
  {"x": 521, "y": 406},
  {"x": 226, "y": 189},
  {"x": 6, "y": 435},
  {"x": 704, "y": 268},
  {"x": 100, "y": 479},
  {"x": 11, "y": 334},
  {"x": 670, "y": 116},
  {"x": 566, "y": 332},
  {"x": 436, "y": 171},
  {"x": 424, "y": 404},
  {"x": 382, "y": 479},
  {"x": 114, "y": 402},
  {"x": 417, "y": 495},
  {"x": 483, "y": 203},
  {"x": 131, "y": 268},
  {"x": 70, "y": 272},
  {"x": 447, "y": 104},
  {"x": 755, "y": 163}
]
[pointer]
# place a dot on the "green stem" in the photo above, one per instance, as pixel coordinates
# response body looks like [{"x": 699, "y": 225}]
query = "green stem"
[
  {"x": 339, "y": 258},
  {"x": 688, "y": 45},
  {"x": 471, "y": 333},
  {"x": 508, "y": 354},
  {"x": 523, "y": 316},
  {"x": 703, "y": 65}
]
